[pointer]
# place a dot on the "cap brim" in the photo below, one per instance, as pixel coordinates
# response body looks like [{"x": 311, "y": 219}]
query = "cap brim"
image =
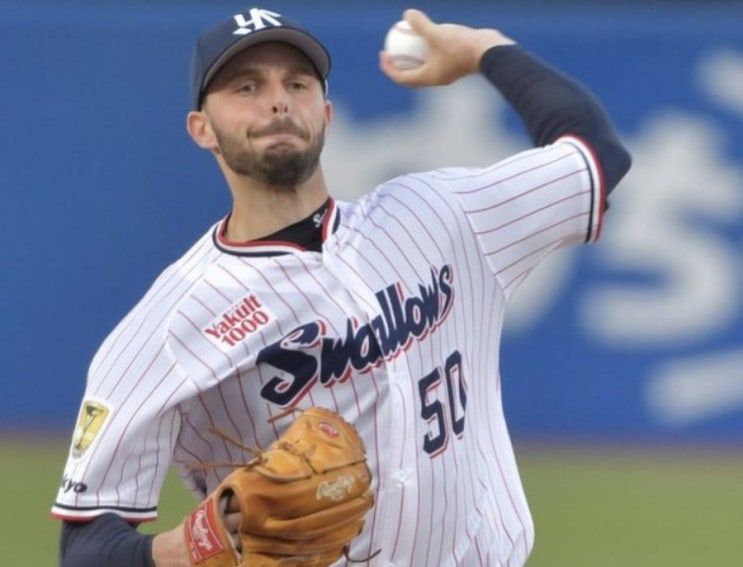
[{"x": 308, "y": 45}]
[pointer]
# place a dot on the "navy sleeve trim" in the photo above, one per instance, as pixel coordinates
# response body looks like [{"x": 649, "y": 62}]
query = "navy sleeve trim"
[
  {"x": 86, "y": 513},
  {"x": 553, "y": 105}
]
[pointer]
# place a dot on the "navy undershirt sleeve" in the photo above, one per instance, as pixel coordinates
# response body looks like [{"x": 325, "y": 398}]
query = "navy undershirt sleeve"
[
  {"x": 552, "y": 104},
  {"x": 106, "y": 541}
]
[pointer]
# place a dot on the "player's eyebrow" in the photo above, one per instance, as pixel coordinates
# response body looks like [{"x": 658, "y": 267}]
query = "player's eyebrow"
[{"x": 251, "y": 70}]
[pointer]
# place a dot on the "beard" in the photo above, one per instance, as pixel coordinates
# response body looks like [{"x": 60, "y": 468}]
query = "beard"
[{"x": 281, "y": 165}]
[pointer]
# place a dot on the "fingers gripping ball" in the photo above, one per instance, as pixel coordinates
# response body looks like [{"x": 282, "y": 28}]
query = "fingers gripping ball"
[
  {"x": 301, "y": 501},
  {"x": 407, "y": 49}
]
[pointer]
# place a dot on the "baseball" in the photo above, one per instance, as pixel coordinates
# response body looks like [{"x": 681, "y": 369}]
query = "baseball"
[{"x": 407, "y": 48}]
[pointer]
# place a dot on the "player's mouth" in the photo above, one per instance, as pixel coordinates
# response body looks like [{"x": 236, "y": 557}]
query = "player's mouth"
[
  {"x": 280, "y": 138},
  {"x": 280, "y": 131}
]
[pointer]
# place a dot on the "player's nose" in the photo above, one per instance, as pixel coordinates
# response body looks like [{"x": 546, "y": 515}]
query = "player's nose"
[{"x": 278, "y": 98}]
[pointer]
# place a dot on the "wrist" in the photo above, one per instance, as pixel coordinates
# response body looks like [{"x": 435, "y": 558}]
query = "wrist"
[
  {"x": 169, "y": 549},
  {"x": 485, "y": 40}
]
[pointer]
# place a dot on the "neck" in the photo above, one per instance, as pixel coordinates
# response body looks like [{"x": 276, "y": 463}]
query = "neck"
[{"x": 259, "y": 210}]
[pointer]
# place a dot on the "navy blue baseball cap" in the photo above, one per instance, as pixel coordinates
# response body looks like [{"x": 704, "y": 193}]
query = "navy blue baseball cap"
[{"x": 251, "y": 27}]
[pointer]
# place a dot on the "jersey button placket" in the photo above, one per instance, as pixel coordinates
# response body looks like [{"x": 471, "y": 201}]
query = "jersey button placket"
[{"x": 391, "y": 454}]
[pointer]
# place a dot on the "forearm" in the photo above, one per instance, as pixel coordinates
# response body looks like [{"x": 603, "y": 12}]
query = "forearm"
[
  {"x": 552, "y": 105},
  {"x": 106, "y": 541},
  {"x": 109, "y": 541}
]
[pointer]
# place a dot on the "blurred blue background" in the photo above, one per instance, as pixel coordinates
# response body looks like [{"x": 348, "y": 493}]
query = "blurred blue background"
[{"x": 639, "y": 337}]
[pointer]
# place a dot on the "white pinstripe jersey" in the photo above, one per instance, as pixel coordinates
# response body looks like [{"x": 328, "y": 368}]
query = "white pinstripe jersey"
[{"x": 395, "y": 325}]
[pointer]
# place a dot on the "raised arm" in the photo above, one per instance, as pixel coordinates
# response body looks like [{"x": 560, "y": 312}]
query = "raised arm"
[{"x": 550, "y": 104}]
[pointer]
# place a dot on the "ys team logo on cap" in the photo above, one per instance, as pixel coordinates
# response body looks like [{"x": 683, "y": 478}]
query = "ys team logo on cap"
[
  {"x": 259, "y": 19},
  {"x": 89, "y": 423}
]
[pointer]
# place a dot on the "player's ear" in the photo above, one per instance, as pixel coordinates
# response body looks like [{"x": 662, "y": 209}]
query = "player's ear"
[
  {"x": 328, "y": 114},
  {"x": 199, "y": 129}
]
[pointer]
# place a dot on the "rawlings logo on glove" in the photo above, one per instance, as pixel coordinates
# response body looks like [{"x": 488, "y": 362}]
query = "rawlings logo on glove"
[
  {"x": 203, "y": 533},
  {"x": 337, "y": 490},
  {"x": 301, "y": 501}
]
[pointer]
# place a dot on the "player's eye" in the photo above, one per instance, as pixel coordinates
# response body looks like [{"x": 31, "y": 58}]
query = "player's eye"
[
  {"x": 298, "y": 85},
  {"x": 247, "y": 86}
]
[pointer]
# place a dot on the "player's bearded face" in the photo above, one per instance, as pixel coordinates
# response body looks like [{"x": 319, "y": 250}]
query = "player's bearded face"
[{"x": 280, "y": 163}]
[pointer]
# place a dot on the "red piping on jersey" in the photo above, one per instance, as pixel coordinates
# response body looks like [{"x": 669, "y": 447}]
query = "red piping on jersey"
[
  {"x": 601, "y": 184},
  {"x": 330, "y": 214}
]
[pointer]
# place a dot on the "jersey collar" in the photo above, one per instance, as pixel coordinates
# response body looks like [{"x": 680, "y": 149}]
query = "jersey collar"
[{"x": 269, "y": 247}]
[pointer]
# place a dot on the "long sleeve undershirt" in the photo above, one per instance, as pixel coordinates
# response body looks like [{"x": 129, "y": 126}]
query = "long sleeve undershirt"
[
  {"x": 551, "y": 105},
  {"x": 106, "y": 541}
]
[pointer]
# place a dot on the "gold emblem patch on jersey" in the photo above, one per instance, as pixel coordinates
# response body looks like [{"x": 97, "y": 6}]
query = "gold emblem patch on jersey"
[{"x": 89, "y": 423}]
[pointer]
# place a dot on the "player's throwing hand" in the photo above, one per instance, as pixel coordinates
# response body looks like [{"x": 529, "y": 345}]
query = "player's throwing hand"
[{"x": 454, "y": 51}]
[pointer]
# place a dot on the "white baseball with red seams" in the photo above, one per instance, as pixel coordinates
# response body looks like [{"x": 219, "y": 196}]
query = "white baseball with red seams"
[{"x": 407, "y": 49}]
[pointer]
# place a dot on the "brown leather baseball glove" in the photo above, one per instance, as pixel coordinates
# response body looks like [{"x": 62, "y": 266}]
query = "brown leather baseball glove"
[{"x": 301, "y": 501}]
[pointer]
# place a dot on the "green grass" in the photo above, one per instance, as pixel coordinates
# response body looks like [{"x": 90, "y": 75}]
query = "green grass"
[
  {"x": 634, "y": 508},
  {"x": 616, "y": 508}
]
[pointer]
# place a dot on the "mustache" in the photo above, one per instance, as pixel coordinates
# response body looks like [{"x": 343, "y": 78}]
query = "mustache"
[{"x": 281, "y": 126}]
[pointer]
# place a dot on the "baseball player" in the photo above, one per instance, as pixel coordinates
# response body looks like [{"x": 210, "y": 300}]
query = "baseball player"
[{"x": 387, "y": 311}]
